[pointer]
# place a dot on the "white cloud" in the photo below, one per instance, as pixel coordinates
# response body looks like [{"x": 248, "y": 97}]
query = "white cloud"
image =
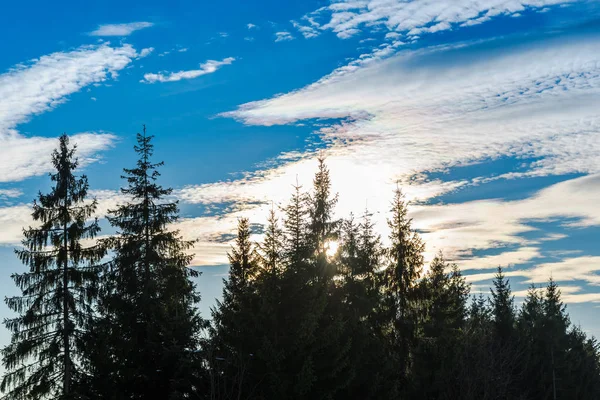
[
  {"x": 584, "y": 268},
  {"x": 13, "y": 220},
  {"x": 532, "y": 101},
  {"x": 251, "y": 26},
  {"x": 508, "y": 258},
  {"x": 208, "y": 67},
  {"x": 348, "y": 17},
  {"x": 307, "y": 31},
  {"x": 22, "y": 157},
  {"x": 120, "y": 29},
  {"x": 146, "y": 52},
  {"x": 283, "y": 36},
  {"x": 460, "y": 228},
  {"x": 10, "y": 193},
  {"x": 41, "y": 85}
]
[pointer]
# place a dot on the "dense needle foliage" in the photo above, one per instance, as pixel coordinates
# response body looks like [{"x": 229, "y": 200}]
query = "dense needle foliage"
[{"x": 54, "y": 310}]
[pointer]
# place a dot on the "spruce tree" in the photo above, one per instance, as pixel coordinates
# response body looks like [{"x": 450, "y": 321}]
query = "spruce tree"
[
  {"x": 370, "y": 253},
  {"x": 371, "y": 373},
  {"x": 583, "y": 365},
  {"x": 506, "y": 350},
  {"x": 405, "y": 263},
  {"x": 147, "y": 333},
  {"x": 301, "y": 311},
  {"x": 476, "y": 373},
  {"x": 271, "y": 250},
  {"x": 43, "y": 359},
  {"x": 530, "y": 331},
  {"x": 445, "y": 294},
  {"x": 234, "y": 335},
  {"x": 322, "y": 227},
  {"x": 503, "y": 306},
  {"x": 314, "y": 357},
  {"x": 350, "y": 266},
  {"x": 296, "y": 243},
  {"x": 271, "y": 352},
  {"x": 555, "y": 328}
]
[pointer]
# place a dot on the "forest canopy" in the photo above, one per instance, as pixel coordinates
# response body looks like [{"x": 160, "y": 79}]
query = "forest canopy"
[{"x": 320, "y": 308}]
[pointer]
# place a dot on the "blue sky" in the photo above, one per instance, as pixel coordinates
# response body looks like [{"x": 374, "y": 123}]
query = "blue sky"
[{"x": 486, "y": 112}]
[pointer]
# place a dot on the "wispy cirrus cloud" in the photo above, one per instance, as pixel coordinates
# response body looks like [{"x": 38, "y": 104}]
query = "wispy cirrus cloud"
[
  {"x": 460, "y": 228},
  {"x": 208, "y": 67},
  {"x": 146, "y": 52},
  {"x": 347, "y": 18},
  {"x": 283, "y": 36},
  {"x": 533, "y": 100},
  {"x": 39, "y": 86},
  {"x": 308, "y": 31},
  {"x": 10, "y": 193},
  {"x": 120, "y": 29}
]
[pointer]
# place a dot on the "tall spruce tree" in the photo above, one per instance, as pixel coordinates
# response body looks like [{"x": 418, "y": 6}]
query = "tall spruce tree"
[
  {"x": 300, "y": 311},
  {"x": 445, "y": 294},
  {"x": 271, "y": 250},
  {"x": 312, "y": 356},
  {"x": 271, "y": 352},
  {"x": 147, "y": 333},
  {"x": 503, "y": 307},
  {"x": 506, "y": 350},
  {"x": 555, "y": 338},
  {"x": 43, "y": 359},
  {"x": 296, "y": 243},
  {"x": 371, "y": 373},
  {"x": 322, "y": 227},
  {"x": 530, "y": 331},
  {"x": 234, "y": 337},
  {"x": 331, "y": 353},
  {"x": 405, "y": 263},
  {"x": 370, "y": 253}
]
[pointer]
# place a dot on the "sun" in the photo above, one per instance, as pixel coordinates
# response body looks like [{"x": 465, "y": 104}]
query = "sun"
[{"x": 331, "y": 247}]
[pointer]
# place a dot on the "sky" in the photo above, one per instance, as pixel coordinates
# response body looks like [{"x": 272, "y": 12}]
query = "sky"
[{"x": 485, "y": 112}]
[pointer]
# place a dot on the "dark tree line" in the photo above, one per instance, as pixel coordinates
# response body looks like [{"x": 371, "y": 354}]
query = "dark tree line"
[{"x": 319, "y": 309}]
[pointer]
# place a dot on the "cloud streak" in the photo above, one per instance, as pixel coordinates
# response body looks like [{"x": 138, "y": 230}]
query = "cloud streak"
[
  {"x": 283, "y": 36},
  {"x": 120, "y": 29},
  {"x": 208, "y": 67}
]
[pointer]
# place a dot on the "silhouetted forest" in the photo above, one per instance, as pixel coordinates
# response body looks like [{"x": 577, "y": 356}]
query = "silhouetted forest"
[{"x": 320, "y": 309}]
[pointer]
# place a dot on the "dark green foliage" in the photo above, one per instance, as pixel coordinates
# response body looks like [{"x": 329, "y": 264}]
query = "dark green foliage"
[
  {"x": 321, "y": 207},
  {"x": 503, "y": 307},
  {"x": 44, "y": 356},
  {"x": 445, "y": 295},
  {"x": 365, "y": 322},
  {"x": 148, "y": 327},
  {"x": 233, "y": 344},
  {"x": 402, "y": 297},
  {"x": 297, "y": 320}
]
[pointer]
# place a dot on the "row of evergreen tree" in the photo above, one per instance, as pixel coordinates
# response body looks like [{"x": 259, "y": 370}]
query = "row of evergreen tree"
[{"x": 116, "y": 317}]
